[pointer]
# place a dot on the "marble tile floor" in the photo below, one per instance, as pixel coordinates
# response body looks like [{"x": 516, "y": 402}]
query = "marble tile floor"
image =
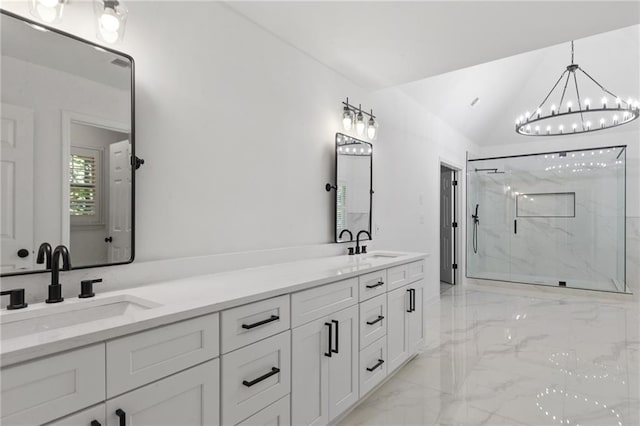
[{"x": 497, "y": 358}]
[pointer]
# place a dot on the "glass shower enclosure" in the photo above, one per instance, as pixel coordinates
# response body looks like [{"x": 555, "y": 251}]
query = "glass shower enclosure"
[{"x": 554, "y": 219}]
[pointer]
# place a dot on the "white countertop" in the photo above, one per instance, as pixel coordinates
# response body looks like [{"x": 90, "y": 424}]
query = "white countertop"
[{"x": 190, "y": 297}]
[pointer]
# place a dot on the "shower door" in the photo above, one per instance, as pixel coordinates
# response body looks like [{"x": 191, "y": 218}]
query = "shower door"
[{"x": 554, "y": 219}]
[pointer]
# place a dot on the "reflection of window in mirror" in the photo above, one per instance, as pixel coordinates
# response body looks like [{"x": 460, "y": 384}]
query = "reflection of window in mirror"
[
  {"x": 85, "y": 191},
  {"x": 341, "y": 206}
]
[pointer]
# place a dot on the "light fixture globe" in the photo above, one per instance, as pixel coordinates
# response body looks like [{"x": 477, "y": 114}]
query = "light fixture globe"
[
  {"x": 48, "y": 11},
  {"x": 372, "y": 127},
  {"x": 582, "y": 117},
  {"x": 360, "y": 124},
  {"x": 347, "y": 119},
  {"x": 111, "y": 16}
]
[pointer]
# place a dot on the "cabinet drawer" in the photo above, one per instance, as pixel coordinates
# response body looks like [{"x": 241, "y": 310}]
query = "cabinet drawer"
[
  {"x": 318, "y": 302},
  {"x": 255, "y": 376},
  {"x": 189, "y": 398},
  {"x": 249, "y": 323},
  {"x": 141, "y": 358},
  {"x": 372, "y": 284},
  {"x": 397, "y": 276},
  {"x": 277, "y": 414},
  {"x": 40, "y": 391},
  {"x": 84, "y": 417},
  {"x": 416, "y": 271},
  {"x": 373, "y": 320},
  {"x": 373, "y": 365}
]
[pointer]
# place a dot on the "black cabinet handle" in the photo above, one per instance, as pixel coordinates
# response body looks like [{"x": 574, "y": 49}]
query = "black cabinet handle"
[
  {"x": 377, "y": 320},
  {"x": 259, "y": 323},
  {"x": 412, "y": 300},
  {"x": 378, "y": 364},
  {"x": 515, "y": 226},
  {"x": 273, "y": 372},
  {"x": 409, "y": 291},
  {"x": 378, "y": 284},
  {"x": 123, "y": 416},
  {"x": 328, "y": 324},
  {"x": 95, "y": 423},
  {"x": 108, "y": 240},
  {"x": 337, "y": 349}
]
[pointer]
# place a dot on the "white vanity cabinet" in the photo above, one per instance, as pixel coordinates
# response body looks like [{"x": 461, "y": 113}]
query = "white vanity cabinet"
[
  {"x": 325, "y": 368},
  {"x": 189, "y": 398},
  {"x": 405, "y": 323},
  {"x": 298, "y": 358}
]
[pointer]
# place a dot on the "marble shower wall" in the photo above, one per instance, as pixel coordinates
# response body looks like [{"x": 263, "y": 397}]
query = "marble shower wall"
[{"x": 585, "y": 250}]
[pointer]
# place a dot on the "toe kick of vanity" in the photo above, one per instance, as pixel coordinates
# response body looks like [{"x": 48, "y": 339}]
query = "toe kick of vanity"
[{"x": 301, "y": 358}]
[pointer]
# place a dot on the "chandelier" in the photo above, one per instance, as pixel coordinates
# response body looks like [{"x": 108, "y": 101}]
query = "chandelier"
[{"x": 581, "y": 117}]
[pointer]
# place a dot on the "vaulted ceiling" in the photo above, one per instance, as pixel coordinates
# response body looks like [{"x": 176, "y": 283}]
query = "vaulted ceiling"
[{"x": 379, "y": 44}]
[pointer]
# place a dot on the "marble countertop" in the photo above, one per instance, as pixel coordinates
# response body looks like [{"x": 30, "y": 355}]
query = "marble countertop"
[{"x": 181, "y": 299}]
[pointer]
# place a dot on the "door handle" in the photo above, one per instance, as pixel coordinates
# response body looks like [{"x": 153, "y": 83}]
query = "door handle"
[
  {"x": 259, "y": 323},
  {"x": 337, "y": 349},
  {"x": 378, "y": 364},
  {"x": 108, "y": 240},
  {"x": 273, "y": 372},
  {"x": 377, "y": 320},
  {"x": 328, "y": 324},
  {"x": 123, "y": 416},
  {"x": 22, "y": 253}
]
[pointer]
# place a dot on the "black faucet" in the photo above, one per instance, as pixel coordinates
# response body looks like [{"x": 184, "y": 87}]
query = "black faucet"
[
  {"x": 350, "y": 239},
  {"x": 55, "y": 288},
  {"x": 364, "y": 248},
  {"x": 16, "y": 298},
  {"x": 44, "y": 252}
]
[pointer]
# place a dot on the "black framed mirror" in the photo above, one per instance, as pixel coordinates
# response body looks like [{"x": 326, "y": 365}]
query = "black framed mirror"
[
  {"x": 353, "y": 188},
  {"x": 68, "y": 148}
]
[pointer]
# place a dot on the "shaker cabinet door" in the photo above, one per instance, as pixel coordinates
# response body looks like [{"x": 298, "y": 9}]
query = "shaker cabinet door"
[
  {"x": 343, "y": 365},
  {"x": 310, "y": 373},
  {"x": 189, "y": 398},
  {"x": 397, "y": 327}
]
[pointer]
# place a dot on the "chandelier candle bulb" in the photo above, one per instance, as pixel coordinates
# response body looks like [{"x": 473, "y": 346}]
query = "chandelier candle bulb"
[
  {"x": 604, "y": 103},
  {"x": 539, "y": 112},
  {"x": 618, "y": 102},
  {"x": 537, "y": 130},
  {"x": 615, "y": 119},
  {"x": 560, "y": 128},
  {"x": 553, "y": 109},
  {"x": 602, "y": 123},
  {"x": 569, "y": 105},
  {"x": 549, "y": 130},
  {"x": 587, "y": 104},
  {"x": 574, "y": 127}
]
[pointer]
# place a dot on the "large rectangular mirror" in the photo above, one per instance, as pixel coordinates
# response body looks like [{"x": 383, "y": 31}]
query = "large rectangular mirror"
[
  {"x": 67, "y": 144},
  {"x": 354, "y": 193}
]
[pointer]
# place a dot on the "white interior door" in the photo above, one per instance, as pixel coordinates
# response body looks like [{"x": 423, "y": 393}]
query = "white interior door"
[
  {"x": 16, "y": 181},
  {"x": 446, "y": 231},
  {"x": 119, "y": 232}
]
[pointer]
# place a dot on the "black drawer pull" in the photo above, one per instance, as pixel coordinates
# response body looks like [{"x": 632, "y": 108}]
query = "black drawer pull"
[
  {"x": 378, "y": 364},
  {"x": 259, "y": 323},
  {"x": 273, "y": 372},
  {"x": 328, "y": 354},
  {"x": 123, "y": 416},
  {"x": 377, "y": 320},
  {"x": 378, "y": 284}
]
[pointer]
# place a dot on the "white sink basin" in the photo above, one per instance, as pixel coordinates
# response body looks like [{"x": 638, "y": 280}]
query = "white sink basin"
[
  {"x": 382, "y": 256},
  {"x": 69, "y": 313}
]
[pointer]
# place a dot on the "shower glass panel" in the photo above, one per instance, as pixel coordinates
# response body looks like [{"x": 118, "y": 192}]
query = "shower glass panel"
[{"x": 553, "y": 219}]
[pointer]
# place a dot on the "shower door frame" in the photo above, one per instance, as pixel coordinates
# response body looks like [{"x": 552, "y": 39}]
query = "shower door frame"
[{"x": 623, "y": 147}]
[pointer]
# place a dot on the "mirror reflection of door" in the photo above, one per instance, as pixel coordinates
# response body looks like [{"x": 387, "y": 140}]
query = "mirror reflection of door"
[
  {"x": 16, "y": 180},
  {"x": 98, "y": 201}
]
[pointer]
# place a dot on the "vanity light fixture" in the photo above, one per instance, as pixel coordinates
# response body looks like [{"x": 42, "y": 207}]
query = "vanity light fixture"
[
  {"x": 111, "y": 16},
  {"x": 48, "y": 11},
  {"x": 355, "y": 117},
  {"x": 360, "y": 125},
  {"x": 610, "y": 114}
]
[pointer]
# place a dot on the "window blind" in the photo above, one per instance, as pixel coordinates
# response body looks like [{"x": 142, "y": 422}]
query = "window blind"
[{"x": 83, "y": 185}]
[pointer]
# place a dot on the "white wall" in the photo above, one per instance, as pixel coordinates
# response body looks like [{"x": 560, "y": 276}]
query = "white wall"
[{"x": 228, "y": 118}]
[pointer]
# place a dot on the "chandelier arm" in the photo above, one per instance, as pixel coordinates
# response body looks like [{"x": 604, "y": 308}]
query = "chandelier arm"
[
  {"x": 575, "y": 80},
  {"x": 598, "y": 84},
  {"x": 553, "y": 88},
  {"x": 566, "y": 83}
]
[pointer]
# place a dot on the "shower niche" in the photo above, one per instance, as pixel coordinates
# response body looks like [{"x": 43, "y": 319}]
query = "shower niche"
[{"x": 555, "y": 219}]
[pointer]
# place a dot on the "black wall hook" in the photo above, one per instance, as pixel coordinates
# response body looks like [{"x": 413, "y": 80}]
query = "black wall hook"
[
  {"x": 329, "y": 187},
  {"x": 137, "y": 161}
]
